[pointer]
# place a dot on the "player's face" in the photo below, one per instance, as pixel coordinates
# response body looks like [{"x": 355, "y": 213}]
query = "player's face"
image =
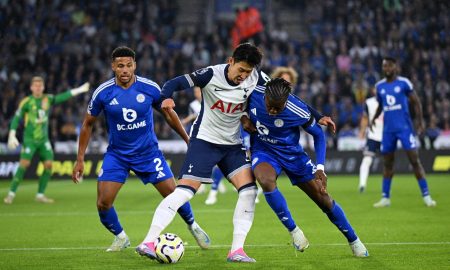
[
  {"x": 124, "y": 68},
  {"x": 37, "y": 88},
  {"x": 274, "y": 107},
  {"x": 286, "y": 77},
  {"x": 389, "y": 68},
  {"x": 238, "y": 71}
]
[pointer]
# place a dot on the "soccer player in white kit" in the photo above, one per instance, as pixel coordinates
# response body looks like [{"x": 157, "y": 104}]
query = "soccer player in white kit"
[
  {"x": 374, "y": 136},
  {"x": 215, "y": 139}
]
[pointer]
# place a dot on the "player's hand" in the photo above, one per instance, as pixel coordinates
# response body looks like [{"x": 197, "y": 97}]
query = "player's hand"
[
  {"x": 81, "y": 89},
  {"x": 12, "y": 140},
  {"x": 326, "y": 121},
  {"x": 247, "y": 124},
  {"x": 77, "y": 173},
  {"x": 168, "y": 104},
  {"x": 420, "y": 127},
  {"x": 322, "y": 177}
]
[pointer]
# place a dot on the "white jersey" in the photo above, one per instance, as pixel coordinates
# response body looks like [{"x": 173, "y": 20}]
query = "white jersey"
[
  {"x": 376, "y": 133},
  {"x": 223, "y": 104}
]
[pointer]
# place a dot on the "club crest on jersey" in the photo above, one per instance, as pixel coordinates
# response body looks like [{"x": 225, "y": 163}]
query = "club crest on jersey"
[
  {"x": 140, "y": 98},
  {"x": 129, "y": 115},
  {"x": 397, "y": 89},
  {"x": 227, "y": 107},
  {"x": 278, "y": 122}
]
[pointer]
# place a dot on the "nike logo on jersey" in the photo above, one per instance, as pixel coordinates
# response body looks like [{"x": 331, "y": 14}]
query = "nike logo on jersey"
[
  {"x": 114, "y": 102},
  {"x": 218, "y": 89}
]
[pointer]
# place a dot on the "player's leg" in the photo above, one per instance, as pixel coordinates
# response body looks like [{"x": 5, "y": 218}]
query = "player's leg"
[
  {"x": 112, "y": 176},
  {"x": 26, "y": 155},
  {"x": 409, "y": 144},
  {"x": 388, "y": 147},
  {"x": 217, "y": 180},
  {"x": 364, "y": 169},
  {"x": 236, "y": 167},
  {"x": 266, "y": 171},
  {"x": 318, "y": 193},
  {"x": 46, "y": 155},
  {"x": 200, "y": 159},
  {"x": 159, "y": 174}
]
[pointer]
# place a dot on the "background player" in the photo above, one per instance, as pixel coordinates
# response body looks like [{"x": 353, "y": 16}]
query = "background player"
[
  {"x": 374, "y": 136},
  {"x": 127, "y": 102},
  {"x": 395, "y": 94},
  {"x": 215, "y": 139},
  {"x": 275, "y": 119},
  {"x": 35, "y": 109}
]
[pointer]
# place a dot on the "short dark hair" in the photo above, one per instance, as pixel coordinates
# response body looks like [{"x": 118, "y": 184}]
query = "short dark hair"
[
  {"x": 278, "y": 89},
  {"x": 123, "y": 51},
  {"x": 390, "y": 58},
  {"x": 248, "y": 53}
]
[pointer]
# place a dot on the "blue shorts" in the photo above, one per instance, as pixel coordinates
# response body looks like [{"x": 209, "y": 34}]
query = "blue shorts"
[
  {"x": 389, "y": 141},
  {"x": 202, "y": 156},
  {"x": 153, "y": 169},
  {"x": 299, "y": 170},
  {"x": 372, "y": 147}
]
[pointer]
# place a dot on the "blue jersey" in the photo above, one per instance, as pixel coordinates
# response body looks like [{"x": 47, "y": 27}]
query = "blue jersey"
[
  {"x": 278, "y": 134},
  {"x": 129, "y": 115},
  {"x": 393, "y": 97}
]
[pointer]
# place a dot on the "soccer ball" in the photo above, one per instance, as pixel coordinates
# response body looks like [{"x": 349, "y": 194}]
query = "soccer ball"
[{"x": 169, "y": 248}]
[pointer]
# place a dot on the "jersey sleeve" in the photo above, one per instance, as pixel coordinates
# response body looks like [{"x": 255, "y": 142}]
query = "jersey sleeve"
[
  {"x": 60, "y": 98},
  {"x": 408, "y": 86},
  {"x": 95, "y": 106},
  {"x": 263, "y": 78},
  {"x": 19, "y": 114},
  {"x": 157, "y": 97},
  {"x": 200, "y": 77}
]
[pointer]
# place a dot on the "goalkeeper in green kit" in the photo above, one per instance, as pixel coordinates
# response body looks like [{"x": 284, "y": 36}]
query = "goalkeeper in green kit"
[{"x": 35, "y": 110}]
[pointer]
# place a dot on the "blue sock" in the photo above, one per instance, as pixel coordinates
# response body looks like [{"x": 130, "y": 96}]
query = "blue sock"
[
  {"x": 386, "y": 187},
  {"x": 278, "y": 204},
  {"x": 337, "y": 216},
  {"x": 110, "y": 220},
  {"x": 186, "y": 214},
  {"x": 423, "y": 187},
  {"x": 217, "y": 177}
]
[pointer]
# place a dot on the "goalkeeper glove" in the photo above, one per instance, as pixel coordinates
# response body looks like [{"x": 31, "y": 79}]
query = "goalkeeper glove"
[
  {"x": 81, "y": 89},
  {"x": 12, "y": 140}
]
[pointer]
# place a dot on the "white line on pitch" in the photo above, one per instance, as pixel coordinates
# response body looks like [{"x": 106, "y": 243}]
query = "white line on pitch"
[
  {"x": 227, "y": 246},
  {"x": 93, "y": 213}
]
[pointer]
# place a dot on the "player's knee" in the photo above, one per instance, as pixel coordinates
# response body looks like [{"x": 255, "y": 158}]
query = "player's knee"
[
  {"x": 48, "y": 166},
  {"x": 103, "y": 205},
  {"x": 24, "y": 163},
  {"x": 267, "y": 183}
]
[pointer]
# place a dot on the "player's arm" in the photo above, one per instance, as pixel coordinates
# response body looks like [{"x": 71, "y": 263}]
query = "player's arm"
[
  {"x": 319, "y": 147},
  {"x": 85, "y": 136},
  {"x": 174, "y": 122},
  {"x": 60, "y": 98},
  {"x": 415, "y": 102},
  {"x": 13, "y": 142},
  {"x": 198, "y": 78},
  {"x": 322, "y": 119}
]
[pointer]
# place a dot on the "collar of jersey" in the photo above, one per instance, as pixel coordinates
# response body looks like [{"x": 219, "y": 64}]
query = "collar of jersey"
[{"x": 115, "y": 82}]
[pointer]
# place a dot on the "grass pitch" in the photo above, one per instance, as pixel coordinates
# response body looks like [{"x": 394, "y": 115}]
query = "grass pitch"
[{"x": 69, "y": 235}]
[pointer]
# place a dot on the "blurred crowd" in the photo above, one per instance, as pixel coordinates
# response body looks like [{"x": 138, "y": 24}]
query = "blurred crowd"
[{"x": 337, "y": 56}]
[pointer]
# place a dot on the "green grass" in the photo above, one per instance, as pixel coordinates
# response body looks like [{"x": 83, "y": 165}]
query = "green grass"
[{"x": 68, "y": 234}]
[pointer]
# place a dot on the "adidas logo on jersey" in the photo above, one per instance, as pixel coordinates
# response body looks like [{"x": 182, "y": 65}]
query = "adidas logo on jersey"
[
  {"x": 253, "y": 111},
  {"x": 114, "y": 102},
  {"x": 160, "y": 174}
]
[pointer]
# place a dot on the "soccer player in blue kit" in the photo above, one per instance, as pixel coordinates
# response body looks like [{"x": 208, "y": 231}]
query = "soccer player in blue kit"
[
  {"x": 275, "y": 118},
  {"x": 127, "y": 101},
  {"x": 394, "y": 94}
]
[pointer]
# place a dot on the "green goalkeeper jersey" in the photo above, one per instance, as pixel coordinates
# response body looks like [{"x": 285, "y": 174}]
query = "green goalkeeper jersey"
[{"x": 35, "y": 112}]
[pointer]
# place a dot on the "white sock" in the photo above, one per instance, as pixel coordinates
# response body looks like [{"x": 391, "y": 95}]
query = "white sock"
[
  {"x": 243, "y": 216},
  {"x": 122, "y": 234},
  {"x": 39, "y": 195},
  {"x": 212, "y": 193},
  {"x": 166, "y": 211},
  {"x": 12, "y": 194},
  {"x": 364, "y": 170}
]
